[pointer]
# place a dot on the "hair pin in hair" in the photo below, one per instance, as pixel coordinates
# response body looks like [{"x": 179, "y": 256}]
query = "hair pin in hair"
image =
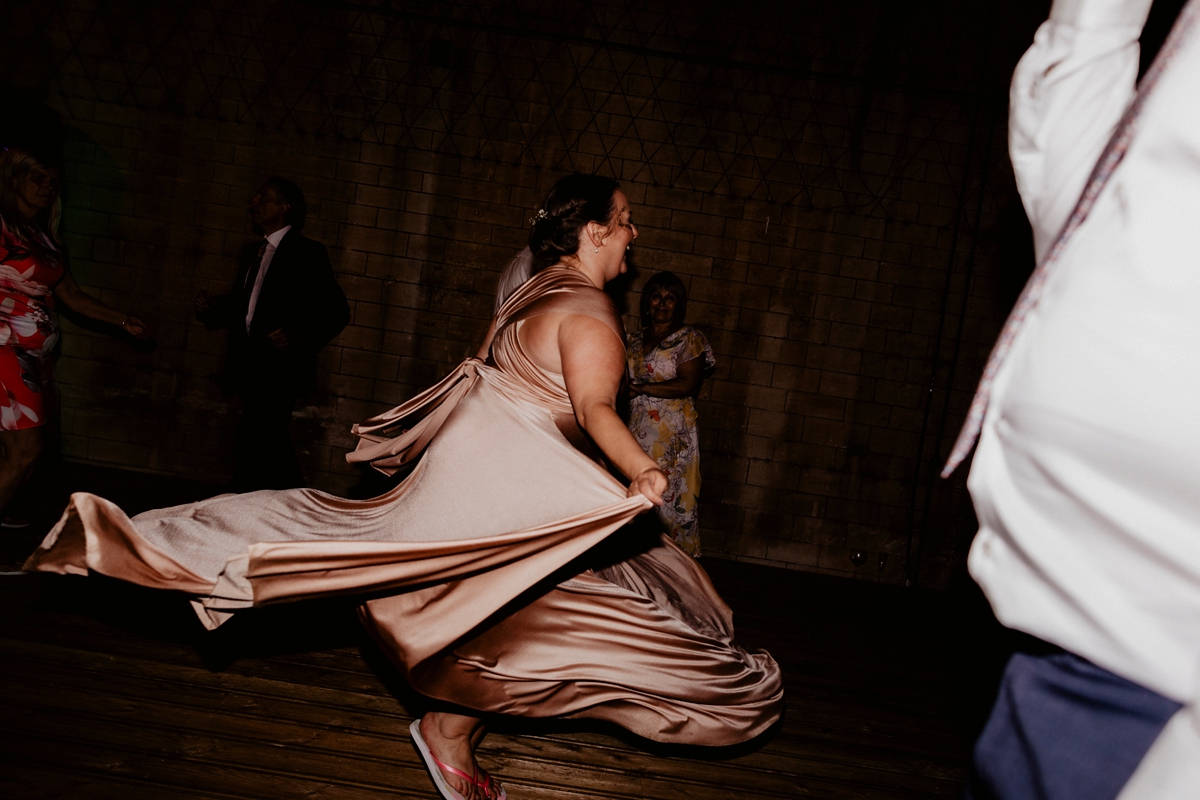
[{"x": 539, "y": 216}]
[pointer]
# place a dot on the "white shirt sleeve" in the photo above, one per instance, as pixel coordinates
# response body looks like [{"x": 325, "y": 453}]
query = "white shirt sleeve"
[
  {"x": 1068, "y": 93},
  {"x": 519, "y": 270}
]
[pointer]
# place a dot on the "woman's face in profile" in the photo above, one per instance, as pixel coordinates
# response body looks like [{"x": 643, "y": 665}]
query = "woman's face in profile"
[
  {"x": 622, "y": 230},
  {"x": 662, "y": 306}
]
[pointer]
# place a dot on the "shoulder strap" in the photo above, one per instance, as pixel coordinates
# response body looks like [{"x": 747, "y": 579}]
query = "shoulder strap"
[{"x": 559, "y": 290}]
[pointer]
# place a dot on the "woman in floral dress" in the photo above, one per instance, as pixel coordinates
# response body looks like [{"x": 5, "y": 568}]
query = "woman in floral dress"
[
  {"x": 667, "y": 362},
  {"x": 33, "y": 274}
]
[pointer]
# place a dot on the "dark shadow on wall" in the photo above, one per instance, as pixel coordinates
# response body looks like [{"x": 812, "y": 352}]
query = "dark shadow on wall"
[
  {"x": 28, "y": 123},
  {"x": 80, "y": 219},
  {"x": 952, "y": 523},
  {"x": 128, "y": 227},
  {"x": 1158, "y": 25},
  {"x": 1014, "y": 246}
]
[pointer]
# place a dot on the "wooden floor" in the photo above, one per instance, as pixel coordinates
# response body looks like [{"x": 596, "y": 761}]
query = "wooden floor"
[{"x": 111, "y": 691}]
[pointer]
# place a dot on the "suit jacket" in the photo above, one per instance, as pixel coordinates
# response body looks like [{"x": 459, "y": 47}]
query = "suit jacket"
[{"x": 300, "y": 295}]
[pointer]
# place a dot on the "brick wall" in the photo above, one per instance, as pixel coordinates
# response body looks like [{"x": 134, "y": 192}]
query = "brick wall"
[{"x": 829, "y": 179}]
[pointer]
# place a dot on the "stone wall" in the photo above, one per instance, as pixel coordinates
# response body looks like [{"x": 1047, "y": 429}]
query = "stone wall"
[{"x": 829, "y": 179}]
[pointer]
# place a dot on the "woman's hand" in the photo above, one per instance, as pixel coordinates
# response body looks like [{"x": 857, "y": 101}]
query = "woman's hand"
[
  {"x": 686, "y": 383},
  {"x": 650, "y": 483},
  {"x": 79, "y": 301},
  {"x": 205, "y": 303},
  {"x": 279, "y": 337},
  {"x": 135, "y": 327}
]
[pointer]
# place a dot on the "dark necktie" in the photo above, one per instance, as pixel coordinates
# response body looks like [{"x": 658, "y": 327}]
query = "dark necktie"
[
  {"x": 1109, "y": 159},
  {"x": 252, "y": 273},
  {"x": 252, "y": 276}
]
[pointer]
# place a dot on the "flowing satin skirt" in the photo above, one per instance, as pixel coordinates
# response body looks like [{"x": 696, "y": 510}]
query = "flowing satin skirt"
[{"x": 482, "y": 594}]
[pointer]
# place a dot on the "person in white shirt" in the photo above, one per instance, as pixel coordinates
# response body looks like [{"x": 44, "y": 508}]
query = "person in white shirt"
[
  {"x": 1086, "y": 479},
  {"x": 519, "y": 270}
]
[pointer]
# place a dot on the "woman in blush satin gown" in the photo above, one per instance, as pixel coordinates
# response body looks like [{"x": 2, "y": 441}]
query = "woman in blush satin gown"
[{"x": 510, "y": 488}]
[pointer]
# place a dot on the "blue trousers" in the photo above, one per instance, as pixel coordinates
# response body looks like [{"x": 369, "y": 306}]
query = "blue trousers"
[{"x": 1064, "y": 729}]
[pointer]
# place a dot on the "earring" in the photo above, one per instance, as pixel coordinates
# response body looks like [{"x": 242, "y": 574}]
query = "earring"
[{"x": 597, "y": 250}]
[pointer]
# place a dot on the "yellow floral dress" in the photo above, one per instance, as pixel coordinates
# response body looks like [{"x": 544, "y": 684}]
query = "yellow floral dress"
[{"x": 666, "y": 428}]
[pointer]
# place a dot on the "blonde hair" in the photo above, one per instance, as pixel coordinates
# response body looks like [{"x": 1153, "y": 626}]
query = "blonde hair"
[{"x": 17, "y": 162}]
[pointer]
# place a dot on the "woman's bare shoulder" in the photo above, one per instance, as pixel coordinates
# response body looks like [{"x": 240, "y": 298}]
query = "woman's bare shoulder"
[{"x": 588, "y": 301}]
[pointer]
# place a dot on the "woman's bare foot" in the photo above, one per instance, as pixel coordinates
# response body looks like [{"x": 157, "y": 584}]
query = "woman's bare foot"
[
  {"x": 451, "y": 739},
  {"x": 490, "y": 787}
]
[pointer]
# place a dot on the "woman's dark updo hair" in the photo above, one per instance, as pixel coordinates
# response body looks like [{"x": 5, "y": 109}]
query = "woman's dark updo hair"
[
  {"x": 668, "y": 282},
  {"x": 574, "y": 201}
]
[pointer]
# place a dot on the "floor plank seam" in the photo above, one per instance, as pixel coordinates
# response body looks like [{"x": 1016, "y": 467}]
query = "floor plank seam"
[
  {"x": 114, "y": 778},
  {"x": 403, "y": 720},
  {"x": 235, "y": 766},
  {"x": 494, "y": 751}
]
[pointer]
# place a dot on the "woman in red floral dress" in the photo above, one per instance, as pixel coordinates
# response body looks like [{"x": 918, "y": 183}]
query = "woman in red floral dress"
[{"x": 33, "y": 276}]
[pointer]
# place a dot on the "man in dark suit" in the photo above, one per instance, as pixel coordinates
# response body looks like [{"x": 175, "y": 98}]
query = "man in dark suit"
[{"x": 284, "y": 306}]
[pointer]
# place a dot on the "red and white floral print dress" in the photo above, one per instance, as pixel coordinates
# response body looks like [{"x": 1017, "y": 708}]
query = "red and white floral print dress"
[{"x": 28, "y": 330}]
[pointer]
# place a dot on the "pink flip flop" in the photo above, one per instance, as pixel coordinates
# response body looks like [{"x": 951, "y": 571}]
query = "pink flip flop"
[
  {"x": 435, "y": 768},
  {"x": 486, "y": 785}
]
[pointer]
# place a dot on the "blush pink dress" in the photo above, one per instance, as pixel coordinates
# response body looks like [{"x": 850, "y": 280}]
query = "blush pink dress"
[{"x": 495, "y": 595}]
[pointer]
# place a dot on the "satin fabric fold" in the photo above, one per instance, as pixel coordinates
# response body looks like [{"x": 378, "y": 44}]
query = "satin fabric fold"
[
  {"x": 646, "y": 644},
  {"x": 415, "y": 423},
  {"x": 473, "y": 579},
  {"x": 94, "y": 534}
]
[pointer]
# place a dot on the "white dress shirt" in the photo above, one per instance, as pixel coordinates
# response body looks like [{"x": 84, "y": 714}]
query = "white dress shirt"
[
  {"x": 272, "y": 244},
  {"x": 1087, "y": 475},
  {"x": 519, "y": 270}
]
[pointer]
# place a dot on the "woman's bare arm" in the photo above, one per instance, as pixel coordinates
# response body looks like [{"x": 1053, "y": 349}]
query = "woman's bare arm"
[
  {"x": 686, "y": 383},
  {"x": 593, "y": 363},
  {"x": 79, "y": 301}
]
